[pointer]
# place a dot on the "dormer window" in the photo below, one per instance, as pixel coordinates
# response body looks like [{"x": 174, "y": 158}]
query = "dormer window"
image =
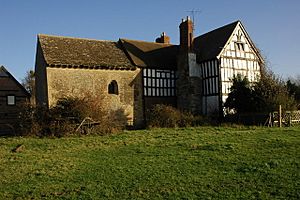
[{"x": 113, "y": 88}]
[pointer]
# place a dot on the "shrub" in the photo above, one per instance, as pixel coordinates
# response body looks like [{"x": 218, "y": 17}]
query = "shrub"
[
  {"x": 28, "y": 122},
  {"x": 164, "y": 116},
  {"x": 240, "y": 97},
  {"x": 65, "y": 117},
  {"x": 170, "y": 117},
  {"x": 293, "y": 86},
  {"x": 270, "y": 92},
  {"x": 73, "y": 111},
  {"x": 263, "y": 96},
  {"x": 111, "y": 121}
]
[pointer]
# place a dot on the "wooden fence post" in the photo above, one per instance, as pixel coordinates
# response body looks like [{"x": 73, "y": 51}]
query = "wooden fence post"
[{"x": 280, "y": 117}]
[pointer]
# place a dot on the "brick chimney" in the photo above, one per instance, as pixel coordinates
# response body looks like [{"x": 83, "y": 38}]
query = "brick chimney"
[
  {"x": 163, "y": 39},
  {"x": 186, "y": 34}
]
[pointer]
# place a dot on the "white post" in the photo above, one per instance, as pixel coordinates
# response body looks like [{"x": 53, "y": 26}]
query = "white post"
[{"x": 280, "y": 117}]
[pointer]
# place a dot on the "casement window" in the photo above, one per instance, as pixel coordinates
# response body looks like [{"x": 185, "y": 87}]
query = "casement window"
[
  {"x": 113, "y": 88},
  {"x": 159, "y": 83},
  {"x": 11, "y": 100}
]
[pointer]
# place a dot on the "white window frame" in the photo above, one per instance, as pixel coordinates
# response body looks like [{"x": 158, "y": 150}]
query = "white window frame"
[{"x": 11, "y": 100}]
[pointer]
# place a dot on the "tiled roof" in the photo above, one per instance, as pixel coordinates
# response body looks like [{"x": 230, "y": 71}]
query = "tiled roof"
[
  {"x": 209, "y": 45},
  {"x": 77, "y": 52},
  {"x": 151, "y": 54},
  {"x": 128, "y": 54}
]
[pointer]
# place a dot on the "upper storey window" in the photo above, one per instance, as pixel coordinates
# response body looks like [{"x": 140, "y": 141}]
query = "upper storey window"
[{"x": 239, "y": 45}]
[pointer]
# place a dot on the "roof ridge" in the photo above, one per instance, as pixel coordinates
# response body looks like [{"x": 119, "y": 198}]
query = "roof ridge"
[{"x": 74, "y": 38}]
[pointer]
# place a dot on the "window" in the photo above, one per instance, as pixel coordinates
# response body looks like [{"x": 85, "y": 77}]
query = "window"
[
  {"x": 113, "y": 88},
  {"x": 239, "y": 46},
  {"x": 11, "y": 100},
  {"x": 159, "y": 83}
]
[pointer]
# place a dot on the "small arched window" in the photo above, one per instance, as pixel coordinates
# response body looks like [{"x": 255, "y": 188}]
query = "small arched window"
[{"x": 113, "y": 88}]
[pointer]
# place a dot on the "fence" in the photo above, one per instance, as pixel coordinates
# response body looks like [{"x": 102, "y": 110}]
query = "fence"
[{"x": 287, "y": 118}]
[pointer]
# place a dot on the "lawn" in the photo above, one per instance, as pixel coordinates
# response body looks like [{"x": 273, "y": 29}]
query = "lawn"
[{"x": 191, "y": 163}]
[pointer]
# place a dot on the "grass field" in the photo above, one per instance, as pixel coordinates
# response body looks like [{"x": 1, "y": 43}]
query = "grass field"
[{"x": 192, "y": 163}]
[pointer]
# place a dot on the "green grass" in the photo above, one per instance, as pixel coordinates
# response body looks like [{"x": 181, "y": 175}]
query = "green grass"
[{"x": 192, "y": 163}]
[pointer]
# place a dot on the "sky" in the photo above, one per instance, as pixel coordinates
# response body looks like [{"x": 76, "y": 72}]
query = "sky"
[{"x": 273, "y": 25}]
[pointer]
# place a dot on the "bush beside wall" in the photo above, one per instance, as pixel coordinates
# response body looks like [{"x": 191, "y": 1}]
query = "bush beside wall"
[{"x": 64, "y": 118}]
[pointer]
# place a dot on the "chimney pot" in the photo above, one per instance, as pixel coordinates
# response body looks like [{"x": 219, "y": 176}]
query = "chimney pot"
[{"x": 163, "y": 39}]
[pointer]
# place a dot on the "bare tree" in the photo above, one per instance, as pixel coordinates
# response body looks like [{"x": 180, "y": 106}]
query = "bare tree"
[{"x": 29, "y": 84}]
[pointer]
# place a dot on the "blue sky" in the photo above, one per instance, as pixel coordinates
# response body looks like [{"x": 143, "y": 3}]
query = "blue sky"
[{"x": 272, "y": 24}]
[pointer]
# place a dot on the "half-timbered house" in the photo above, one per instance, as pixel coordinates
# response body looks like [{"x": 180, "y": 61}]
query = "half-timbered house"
[
  {"x": 193, "y": 76},
  {"x": 214, "y": 58}
]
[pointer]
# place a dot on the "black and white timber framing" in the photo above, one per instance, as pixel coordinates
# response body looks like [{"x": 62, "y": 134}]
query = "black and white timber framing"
[
  {"x": 159, "y": 83},
  {"x": 238, "y": 56}
]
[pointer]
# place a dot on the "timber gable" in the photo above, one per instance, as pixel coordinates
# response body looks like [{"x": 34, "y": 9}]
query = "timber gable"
[
  {"x": 240, "y": 45},
  {"x": 239, "y": 56}
]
